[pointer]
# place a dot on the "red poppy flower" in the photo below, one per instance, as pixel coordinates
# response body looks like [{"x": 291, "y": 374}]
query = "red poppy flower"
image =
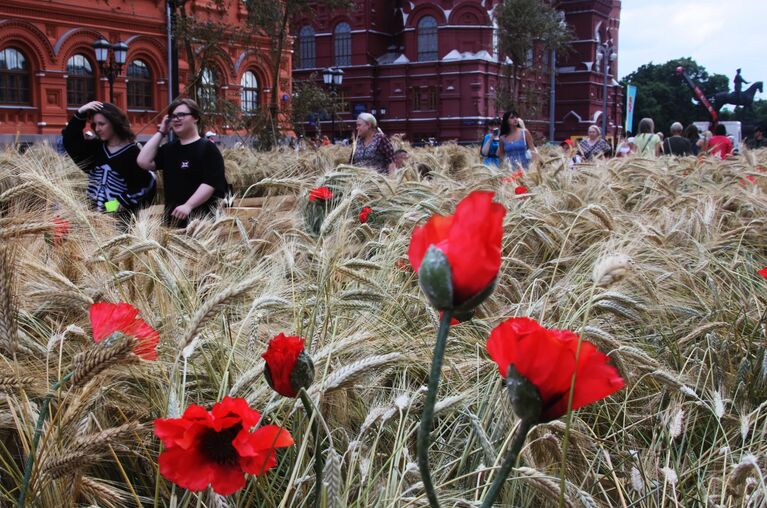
[
  {"x": 216, "y": 448},
  {"x": 546, "y": 358},
  {"x": 108, "y": 318},
  {"x": 763, "y": 272},
  {"x": 60, "y": 230},
  {"x": 520, "y": 189},
  {"x": 471, "y": 240},
  {"x": 288, "y": 367},
  {"x": 364, "y": 214},
  {"x": 321, "y": 193}
]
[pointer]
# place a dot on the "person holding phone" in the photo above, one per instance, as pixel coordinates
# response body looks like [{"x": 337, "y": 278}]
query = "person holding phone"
[
  {"x": 193, "y": 168},
  {"x": 489, "y": 149},
  {"x": 115, "y": 181}
]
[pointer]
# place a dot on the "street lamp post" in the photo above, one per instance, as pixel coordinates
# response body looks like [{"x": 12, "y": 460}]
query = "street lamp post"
[
  {"x": 110, "y": 67},
  {"x": 333, "y": 78},
  {"x": 553, "y": 82},
  {"x": 607, "y": 55}
]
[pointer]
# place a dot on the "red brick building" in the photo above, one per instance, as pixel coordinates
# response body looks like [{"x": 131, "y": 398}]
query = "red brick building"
[
  {"x": 48, "y": 66},
  {"x": 432, "y": 67}
]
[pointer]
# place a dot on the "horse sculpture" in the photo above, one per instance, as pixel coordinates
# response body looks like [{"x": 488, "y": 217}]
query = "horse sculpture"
[{"x": 745, "y": 98}]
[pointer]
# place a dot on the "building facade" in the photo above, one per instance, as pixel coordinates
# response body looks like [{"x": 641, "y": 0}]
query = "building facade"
[
  {"x": 432, "y": 68},
  {"x": 48, "y": 66}
]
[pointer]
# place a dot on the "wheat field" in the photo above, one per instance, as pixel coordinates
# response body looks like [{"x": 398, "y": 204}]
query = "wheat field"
[{"x": 655, "y": 261}]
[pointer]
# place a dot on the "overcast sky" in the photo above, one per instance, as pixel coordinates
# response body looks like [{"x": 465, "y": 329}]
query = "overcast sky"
[{"x": 719, "y": 35}]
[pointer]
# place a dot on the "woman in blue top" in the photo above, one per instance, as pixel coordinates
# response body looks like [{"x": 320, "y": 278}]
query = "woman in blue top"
[{"x": 515, "y": 141}]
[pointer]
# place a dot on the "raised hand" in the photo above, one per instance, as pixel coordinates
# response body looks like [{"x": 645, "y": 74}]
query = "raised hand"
[
  {"x": 91, "y": 106},
  {"x": 163, "y": 126}
]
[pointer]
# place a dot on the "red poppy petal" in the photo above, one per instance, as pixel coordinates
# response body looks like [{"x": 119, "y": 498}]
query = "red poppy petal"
[
  {"x": 266, "y": 438},
  {"x": 763, "y": 272},
  {"x": 475, "y": 244},
  {"x": 435, "y": 231},
  {"x": 231, "y": 411},
  {"x": 227, "y": 479},
  {"x": 107, "y": 318},
  {"x": 260, "y": 463},
  {"x": 148, "y": 339},
  {"x": 186, "y": 468},
  {"x": 280, "y": 357}
]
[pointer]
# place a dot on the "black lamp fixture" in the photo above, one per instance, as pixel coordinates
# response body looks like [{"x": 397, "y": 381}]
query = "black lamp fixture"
[
  {"x": 333, "y": 78},
  {"x": 110, "y": 67}
]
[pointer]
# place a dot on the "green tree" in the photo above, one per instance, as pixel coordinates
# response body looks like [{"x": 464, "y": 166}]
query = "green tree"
[
  {"x": 664, "y": 96},
  {"x": 310, "y": 99},
  {"x": 273, "y": 17},
  {"x": 523, "y": 25}
]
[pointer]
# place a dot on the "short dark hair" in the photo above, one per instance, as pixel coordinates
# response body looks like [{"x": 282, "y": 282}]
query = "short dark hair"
[
  {"x": 721, "y": 130},
  {"x": 194, "y": 108},
  {"x": 758, "y": 128},
  {"x": 118, "y": 119}
]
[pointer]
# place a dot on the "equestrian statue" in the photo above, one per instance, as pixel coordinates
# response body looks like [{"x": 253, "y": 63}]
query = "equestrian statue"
[{"x": 738, "y": 97}]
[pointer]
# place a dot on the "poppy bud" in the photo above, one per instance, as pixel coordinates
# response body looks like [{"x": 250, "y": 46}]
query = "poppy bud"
[
  {"x": 524, "y": 396},
  {"x": 288, "y": 368},
  {"x": 435, "y": 279}
]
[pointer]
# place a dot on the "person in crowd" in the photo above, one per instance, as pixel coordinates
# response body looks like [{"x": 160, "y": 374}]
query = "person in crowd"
[
  {"x": 594, "y": 145},
  {"x": 115, "y": 182},
  {"x": 677, "y": 144},
  {"x": 325, "y": 141},
  {"x": 703, "y": 142},
  {"x": 648, "y": 144},
  {"x": 624, "y": 148},
  {"x": 693, "y": 136},
  {"x": 757, "y": 140},
  {"x": 193, "y": 168},
  {"x": 571, "y": 152},
  {"x": 720, "y": 144},
  {"x": 489, "y": 148},
  {"x": 515, "y": 144},
  {"x": 373, "y": 149},
  {"x": 400, "y": 158}
]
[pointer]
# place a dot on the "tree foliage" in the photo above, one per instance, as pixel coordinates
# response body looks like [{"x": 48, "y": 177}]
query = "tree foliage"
[
  {"x": 273, "y": 17},
  {"x": 523, "y": 24},
  {"x": 664, "y": 96},
  {"x": 310, "y": 102}
]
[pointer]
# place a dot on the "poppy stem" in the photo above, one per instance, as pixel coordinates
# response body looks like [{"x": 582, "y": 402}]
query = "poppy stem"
[
  {"x": 511, "y": 459},
  {"x": 319, "y": 463},
  {"x": 36, "y": 438},
  {"x": 427, "y": 417}
]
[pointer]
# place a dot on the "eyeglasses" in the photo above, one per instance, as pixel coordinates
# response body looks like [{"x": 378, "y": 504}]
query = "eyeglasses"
[{"x": 178, "y": 116}]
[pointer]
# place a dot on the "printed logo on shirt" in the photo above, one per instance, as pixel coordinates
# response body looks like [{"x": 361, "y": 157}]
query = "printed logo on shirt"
[{"x": 184, "y": 164}]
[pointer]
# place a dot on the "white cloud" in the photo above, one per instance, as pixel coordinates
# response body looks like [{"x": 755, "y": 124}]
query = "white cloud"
[{"x": 721, "y": 36}]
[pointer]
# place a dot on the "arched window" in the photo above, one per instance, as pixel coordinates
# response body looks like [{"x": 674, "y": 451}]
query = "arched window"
[
  {"x": 306, "y": 49},
  {"x": 81, "y": 81},
  {"x": 343, "y": 41},
  {"x": 249, "y": 92},
  {"x": 139, "y": 86},
  {"x": 428, "y": 48},
  {"x": 14, "y": 77},
  {"x": 206, "y": 90}
]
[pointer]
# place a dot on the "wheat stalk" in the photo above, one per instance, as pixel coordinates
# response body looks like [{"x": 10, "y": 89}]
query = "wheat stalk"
[{"x": 91, "y": 363}]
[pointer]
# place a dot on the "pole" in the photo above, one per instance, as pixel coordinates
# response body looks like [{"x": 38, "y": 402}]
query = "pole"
[
  {"x": 606, "y": 53},
  {"x": 169, "y": 35},
  {"x": 111, "y": 79},
  {"x": 552, "y": 94},
  {"x": 333, "y": 117}
]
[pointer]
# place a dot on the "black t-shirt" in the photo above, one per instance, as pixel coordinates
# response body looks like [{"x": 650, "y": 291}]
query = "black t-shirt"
[
  {"x": 186, "y": 167},
  {"x": 677, "y": 145}
]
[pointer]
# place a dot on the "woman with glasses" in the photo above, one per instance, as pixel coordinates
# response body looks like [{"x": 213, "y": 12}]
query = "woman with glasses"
[
  {"x": 193, "y": 167},
  {"x": 115, "y": 182}
]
